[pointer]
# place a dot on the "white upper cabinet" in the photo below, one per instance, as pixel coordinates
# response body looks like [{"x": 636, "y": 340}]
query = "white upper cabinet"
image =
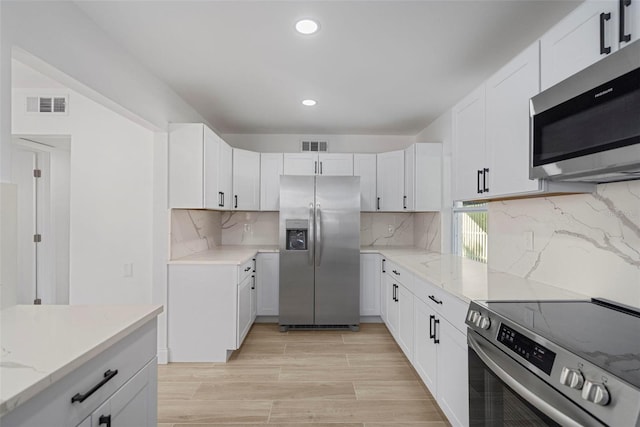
[
  {"x": 318, "y": 164},
  {"x": 300, "y": 163},
  {"x": 586, "y": 35},
  {"x": 507, "y": 129},
  {"x": 364, "y": 166},
  {"x": 199, "y": 168},
  {"x": 629, "y": 22},
  {"x": 246, "y": 180},
  {"x": 390, "y": 181},
  {"x": 335, "y": 164},
  {"x": 271, "y": 167},
  {"x": 428, "y": 177},
  {"x": 469, "y": 145},
  {"x": 408, "y": 199}
]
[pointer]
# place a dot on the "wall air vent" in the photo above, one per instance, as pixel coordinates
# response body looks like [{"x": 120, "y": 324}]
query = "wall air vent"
[
  {"x": 47, "y": 104},
  {"x": 314, "y": 146}
]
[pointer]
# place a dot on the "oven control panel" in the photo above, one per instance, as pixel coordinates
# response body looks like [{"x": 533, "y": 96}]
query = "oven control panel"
[{"x": 534, "y": 353}]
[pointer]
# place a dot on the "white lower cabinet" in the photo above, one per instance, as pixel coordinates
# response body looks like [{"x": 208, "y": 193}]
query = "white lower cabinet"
[
  {"x": 369, "y": 285},
  {"x": 244, "y": 309},
  {"x": 391, "y": 315},
  {"x": 268, "y": 283},
  {"x": 404, "y": 301}
]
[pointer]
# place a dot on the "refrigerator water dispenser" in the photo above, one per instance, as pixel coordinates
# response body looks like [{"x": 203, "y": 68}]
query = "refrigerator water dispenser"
[{"x": 297, "y": 234}]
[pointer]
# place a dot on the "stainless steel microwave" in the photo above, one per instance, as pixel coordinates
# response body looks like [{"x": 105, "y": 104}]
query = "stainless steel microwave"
[{"x": 587, "y": 127}]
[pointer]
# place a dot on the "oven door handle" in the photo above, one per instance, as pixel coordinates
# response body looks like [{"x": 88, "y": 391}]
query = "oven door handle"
[{"x": 542, "y": 405}]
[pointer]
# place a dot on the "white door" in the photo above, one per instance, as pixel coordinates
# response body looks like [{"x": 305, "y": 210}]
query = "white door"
[
  {"x": 575, "y": 42},
  {"x": 364, "y": 166},
  {"x": 631, "y": 27},
  {"x": 425, "y": 350},
  {"x": 409, "y": 202},
  {"x": 271, "y": 167},
  {"x": 405, "y": 320},
  {"x": 469, "y": 146},
  {"x": 338, "y": 164},
  {"x": 390, "y": 181},
  {"x": 225, "y": 174},
  {"x": 300, "y": 163},
  {"x": 268, "y": 283},
  {"x": 507, "y": 128},
  {"x": 213, "y": 193},
  {"x": 369, "y": 285},
  {"x": 453, "y": 387},
  {"x": 246, "y": 180}
]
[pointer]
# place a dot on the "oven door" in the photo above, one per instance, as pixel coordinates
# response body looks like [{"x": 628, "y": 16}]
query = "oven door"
[{"x": 504, "y": 393}]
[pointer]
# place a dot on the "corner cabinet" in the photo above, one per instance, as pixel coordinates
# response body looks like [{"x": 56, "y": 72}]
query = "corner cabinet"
[
  {"x": 200, "y": 163},
  {"x": 246, "y": 180},
  {"x": 210, "y": 310}
]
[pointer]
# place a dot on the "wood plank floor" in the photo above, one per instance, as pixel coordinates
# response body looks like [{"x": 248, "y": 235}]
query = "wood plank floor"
[{"x": 315, "y": 378}]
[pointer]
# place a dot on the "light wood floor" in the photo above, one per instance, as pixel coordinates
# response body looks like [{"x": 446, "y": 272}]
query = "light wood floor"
[{"x": 316, "y": 378}]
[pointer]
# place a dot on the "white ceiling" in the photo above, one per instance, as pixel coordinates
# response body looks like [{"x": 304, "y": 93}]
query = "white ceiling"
[{"x": 375, "y": 67}]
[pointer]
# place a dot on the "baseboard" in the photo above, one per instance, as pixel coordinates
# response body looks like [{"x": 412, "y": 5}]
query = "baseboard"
[
  {"x": 163, "y": 356},
  {"x": 274, "y": 319}
]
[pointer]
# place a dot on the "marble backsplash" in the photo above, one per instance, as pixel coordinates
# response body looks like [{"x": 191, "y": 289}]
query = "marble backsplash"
[
  {"x": 586, "y": 243},
  {"x": 194, "y": 231}
]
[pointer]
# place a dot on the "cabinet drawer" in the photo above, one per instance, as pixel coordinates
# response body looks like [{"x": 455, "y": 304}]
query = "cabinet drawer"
[
  {"x": 450, "y": 307},
  {"x": 53, "y": 407},
  {"x": 246, "y": 269},
  {"x": 400, "y": 274}
]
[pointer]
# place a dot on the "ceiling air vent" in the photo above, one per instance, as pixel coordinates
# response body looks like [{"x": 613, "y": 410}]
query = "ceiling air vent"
[
  {"x": 47, "y": 104},
  {"x": 315, "y": 146}
]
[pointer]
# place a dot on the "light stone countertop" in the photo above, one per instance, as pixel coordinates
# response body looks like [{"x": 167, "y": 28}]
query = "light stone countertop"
[
  {"x": 461, "y": 277},
  {"x": 43, "y": 343}
]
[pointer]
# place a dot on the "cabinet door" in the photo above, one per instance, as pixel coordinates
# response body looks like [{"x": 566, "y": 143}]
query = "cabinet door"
[
  {"x": 428, "y": 177},
  {"x": 268, "y": 283},
  {"x": 392, "y": 305},
  {"x": 213, "y": 194},
  {"x": 246, "y": 180},
  {"x": 254, "y": 298},
  {"x": 300, "y": 163},
  {"x": 338, "y": 164},
  {"x": 574, "y": 43},
  {"x": 185, "y": 165},
  {"x": 244, "y": 309},
  {"x": 631, "y": 26},
  {"x": 271, "y": 167},
  {"x": 469, "y": 145},
  {"x": 225, "y": 174},
  {"x": 405, "y": 320},
  {"x": 390, "y": 181},
  {"x": 369, "y": 285},
  {"x": 408, "y": 201},
  {"x": 453, "y": 388},
  {"x": 385, "y": 293},
  {"x": 364, "y": 166},
  {"x": 508, "y": 94},
  {"x": 425, "y": 350}
]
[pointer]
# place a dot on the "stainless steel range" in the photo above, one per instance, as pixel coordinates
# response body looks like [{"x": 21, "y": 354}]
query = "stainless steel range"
[{"x": 548, "y": 363}]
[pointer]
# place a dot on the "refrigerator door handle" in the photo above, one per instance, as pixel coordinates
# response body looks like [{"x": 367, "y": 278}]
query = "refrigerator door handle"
[
  {"x": 318, "y": 236},
  {"x": 310, "y": 243}
]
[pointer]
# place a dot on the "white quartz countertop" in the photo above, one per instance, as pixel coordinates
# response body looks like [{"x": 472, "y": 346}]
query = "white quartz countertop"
[
  {"x": 225, "y": 254},
  {"x": 43, "y": 343}
]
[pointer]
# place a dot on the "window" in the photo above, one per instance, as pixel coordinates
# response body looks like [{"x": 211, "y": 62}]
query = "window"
[{"x": 470, "y": 230}]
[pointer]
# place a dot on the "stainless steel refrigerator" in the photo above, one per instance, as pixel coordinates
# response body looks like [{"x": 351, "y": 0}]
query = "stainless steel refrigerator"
[{"x": 319, "y": 251}]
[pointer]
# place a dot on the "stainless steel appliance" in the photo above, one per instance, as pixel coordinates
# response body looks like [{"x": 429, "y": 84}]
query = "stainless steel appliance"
[
  {"x": 587, "y": 127},
  {"x": 550, "y": 363},
  {"x": 319, "y": 252}
]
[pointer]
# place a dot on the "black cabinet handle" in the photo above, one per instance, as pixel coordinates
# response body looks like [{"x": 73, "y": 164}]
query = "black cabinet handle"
[
  {"x": 235, "y": 205},
  {"x": 104, "y": 419},
  {"x": 433, "y": 298},
  {"x": 220, "y": 199},
  {"x": 253, "y": 281},
  {"x": 436, "y": 322},
  {"x": 478, "y": 181},
  {"x": 604, "y": 49},
  {"x": 395, "y": 289},
  {"x": 315, "y": 167},
  {"x": 320, "y": 168},
  {"x": 624, "y": 38},
  {"x": 107, "y": 377},
  {"x": 396, "y": 273},
  {"x": 378, "y": 205},
  {"x": 404, "y": 202},
  {"x": 432, "y": 335},
  {"x": 485, "y": 174},
  {"x": 383, "y": 261}
]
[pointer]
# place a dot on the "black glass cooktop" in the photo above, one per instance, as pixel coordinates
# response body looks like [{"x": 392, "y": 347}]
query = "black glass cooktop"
[{"x": 607, "y": 336}]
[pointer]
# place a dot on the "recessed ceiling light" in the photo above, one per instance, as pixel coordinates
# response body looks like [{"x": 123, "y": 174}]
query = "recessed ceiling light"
[
  {"x": 309, "y": 102},
  {"x": 306, "y": 26}
]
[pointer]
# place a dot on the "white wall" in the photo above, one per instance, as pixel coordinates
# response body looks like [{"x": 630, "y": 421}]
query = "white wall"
[
  {"x": 290, "y": 143},
  {"x": 111, "y": 198},
  {"x": 441, "y": 130},
  {"x": 61, "y": 41}
]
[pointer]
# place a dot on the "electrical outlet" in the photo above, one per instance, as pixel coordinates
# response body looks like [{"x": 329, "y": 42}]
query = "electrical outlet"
[
  {"x": 128, "y": 270},
  {"x": 528, "y": 240},
  {"x": 390, "y": 229},
  {"x": 247, "y": 228}
]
